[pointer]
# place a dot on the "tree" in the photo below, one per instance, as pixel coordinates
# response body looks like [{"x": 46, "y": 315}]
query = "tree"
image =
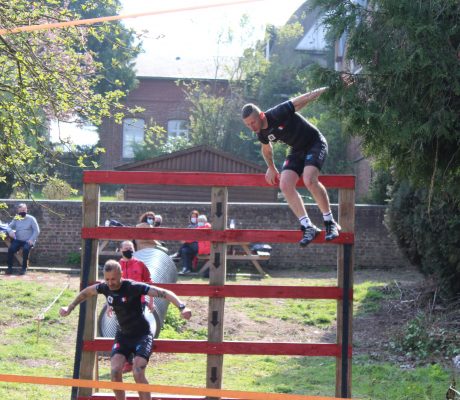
[
  {"x": 405, "y": 106},
  {"x": 47, "y": 74},
  {"x": 115, "y": 49}
]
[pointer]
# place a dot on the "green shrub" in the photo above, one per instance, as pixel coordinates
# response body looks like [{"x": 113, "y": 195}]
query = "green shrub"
[
  {"x": 74, "y": 258},
  {"x": 428, "y": 232},
  {"x": 57, "y": 189},
  {"x": 425, "y": 339}
]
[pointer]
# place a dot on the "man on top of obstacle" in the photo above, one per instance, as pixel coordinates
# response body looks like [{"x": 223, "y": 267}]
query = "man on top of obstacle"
[
  {"x": 134, "y": 335},
  {"x": 308, "y": 150}
]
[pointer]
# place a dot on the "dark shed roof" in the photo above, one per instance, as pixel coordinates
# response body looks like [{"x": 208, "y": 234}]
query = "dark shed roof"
[{"x": 200, "y": 158}]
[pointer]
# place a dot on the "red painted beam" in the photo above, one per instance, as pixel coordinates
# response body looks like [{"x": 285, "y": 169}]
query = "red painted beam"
[
  {"x": 202, "y": 179},
  {"x": 110, "y": 396},
  {"x": 229, "y": 235},
  {"x": 255, "y": 291},
  {"x": 246, "y": 348}
]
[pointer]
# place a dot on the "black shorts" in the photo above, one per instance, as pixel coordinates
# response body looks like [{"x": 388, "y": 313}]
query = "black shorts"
[
  {"x": 141, "y": 346},
  {"x": 315, "y": 156}
]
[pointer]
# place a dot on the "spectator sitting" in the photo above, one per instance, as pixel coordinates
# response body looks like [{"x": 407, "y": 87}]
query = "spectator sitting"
[
  {"x": 188, "y": 250},
  {"x": 146, "y": 220},
  {"x": 204, "y": 247},
  {"x": 23, "y": 231},
  {"x": 158, "y": 221}
]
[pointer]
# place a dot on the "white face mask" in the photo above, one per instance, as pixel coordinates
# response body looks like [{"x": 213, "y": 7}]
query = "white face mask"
[
  {"x": 193, "y": 220},
  {"x": 150, "y": 221}
]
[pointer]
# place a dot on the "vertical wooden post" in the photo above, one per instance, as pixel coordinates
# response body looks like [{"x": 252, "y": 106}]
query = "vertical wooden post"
[
  {"x": 217, "y": 277},
  {"x": 345, "y": 306},
  {"x": 89, "y": 273}
]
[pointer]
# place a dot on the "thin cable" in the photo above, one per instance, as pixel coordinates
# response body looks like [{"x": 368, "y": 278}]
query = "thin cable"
[{"x": 90, "y": 21}]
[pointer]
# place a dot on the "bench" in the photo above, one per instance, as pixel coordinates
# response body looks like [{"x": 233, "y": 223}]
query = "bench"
[
  {"x": 18, "y": 255},
  {"x": 246, "y": 255}
]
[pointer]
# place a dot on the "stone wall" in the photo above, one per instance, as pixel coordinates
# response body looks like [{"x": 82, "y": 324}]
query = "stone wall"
[{"x": 60, "y": 223}]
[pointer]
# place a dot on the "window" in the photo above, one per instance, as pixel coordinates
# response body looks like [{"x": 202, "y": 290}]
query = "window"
[
  {"x": 177, "y": 128},
  {"x": 133, "y": 132}
]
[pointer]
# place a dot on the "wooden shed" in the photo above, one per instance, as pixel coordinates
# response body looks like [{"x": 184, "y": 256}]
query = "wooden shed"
[{"x": 203, "y": 159}]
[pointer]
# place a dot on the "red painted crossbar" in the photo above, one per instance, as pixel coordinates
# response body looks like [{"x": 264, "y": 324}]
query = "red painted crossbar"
[
  {"x": 256, "y": 291},
  {"x": 110, "y": 396},
  {"x": 240, "y": 348},
  {"x": 229, "y": 235},
  {"x": 202, "y": 179}
]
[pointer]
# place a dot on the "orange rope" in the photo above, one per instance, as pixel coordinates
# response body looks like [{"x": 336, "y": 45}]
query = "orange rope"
[
  {"x": 138, "y": 387},
  {"x": 30, "y": 28}
]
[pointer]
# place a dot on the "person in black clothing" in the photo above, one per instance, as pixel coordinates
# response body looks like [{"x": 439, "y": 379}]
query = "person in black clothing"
[
  {"x": 188, "y": 250},
  {"x": 134, "y": 335},
  {"x": 308, "y": 150}
]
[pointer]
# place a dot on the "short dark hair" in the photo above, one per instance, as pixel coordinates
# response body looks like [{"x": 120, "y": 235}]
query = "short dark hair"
[
  {"x": 112, "y": 265},
  {"x": 249, "y": 109}
]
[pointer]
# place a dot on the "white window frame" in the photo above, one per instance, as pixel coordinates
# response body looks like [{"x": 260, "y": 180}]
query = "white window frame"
[
  {"x": 175, "y": 129},
  {"x": 133, "y": 132}
]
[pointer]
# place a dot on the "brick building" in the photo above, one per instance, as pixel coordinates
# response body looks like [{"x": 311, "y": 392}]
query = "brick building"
[{"x": 160, "y": 93}]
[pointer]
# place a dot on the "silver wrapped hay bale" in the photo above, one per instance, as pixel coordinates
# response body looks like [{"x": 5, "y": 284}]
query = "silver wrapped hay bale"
[{"x": 162, "y": 270}]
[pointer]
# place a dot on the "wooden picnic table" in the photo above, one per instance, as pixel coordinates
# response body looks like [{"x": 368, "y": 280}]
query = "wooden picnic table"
[{"x": 235, "y": 255}]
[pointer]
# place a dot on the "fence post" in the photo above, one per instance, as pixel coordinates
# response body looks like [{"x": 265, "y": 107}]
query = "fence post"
[
  {"x": 345, "y": 305},
  {"x": 217, "y": 277},
  {"x": 89, "y": 273}
]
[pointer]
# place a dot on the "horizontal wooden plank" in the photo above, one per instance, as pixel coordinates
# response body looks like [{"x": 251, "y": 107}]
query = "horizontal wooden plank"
[
  {"x": 257, "y": 291},
  {"x": 228, "y": 235},
  {"x": 241, "y": 348},
  {"x": 201, "y": 179},
  {"x": 156, "y": 396},
  {"x": 239, "y": 257}
]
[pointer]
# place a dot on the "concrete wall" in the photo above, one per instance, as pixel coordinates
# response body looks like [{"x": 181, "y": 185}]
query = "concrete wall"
[{"x": 60, "y": 223}]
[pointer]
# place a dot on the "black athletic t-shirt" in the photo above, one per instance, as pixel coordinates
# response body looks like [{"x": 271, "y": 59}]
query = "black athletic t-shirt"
[
  {"x": 287, "y": 126},
  {"x": 126, "y": 303}
]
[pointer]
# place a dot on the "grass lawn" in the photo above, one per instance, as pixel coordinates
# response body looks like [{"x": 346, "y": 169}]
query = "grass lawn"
[{"x": 27, "y": 348}]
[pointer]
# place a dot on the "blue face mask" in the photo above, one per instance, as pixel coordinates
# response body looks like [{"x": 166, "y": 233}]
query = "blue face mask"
[
  {"x": 150, "y": 221},
  {"x": 200, "y": 223}
]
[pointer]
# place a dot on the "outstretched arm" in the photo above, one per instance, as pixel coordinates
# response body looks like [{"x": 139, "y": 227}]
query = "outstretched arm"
[
  {"x": 81, "y": 297},
  {"x": 171, "y": 297},
  {"x": 302, "y": 100}
]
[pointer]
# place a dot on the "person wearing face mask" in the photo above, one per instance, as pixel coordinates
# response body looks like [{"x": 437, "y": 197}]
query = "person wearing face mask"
[
  {"x": 147, "y": 220},
  {"x": 188, "y": 250},
  {"x": 136, "y": 270},
  {"x": 158, "y": 221},
  {"x": 131, "y": 267},
  {"x": 23, "y": 231},
  {"x": 204, "y": 247}
]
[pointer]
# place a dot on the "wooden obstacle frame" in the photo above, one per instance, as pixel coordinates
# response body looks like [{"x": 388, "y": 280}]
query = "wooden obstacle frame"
[{"x": 87, "y": 346}]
